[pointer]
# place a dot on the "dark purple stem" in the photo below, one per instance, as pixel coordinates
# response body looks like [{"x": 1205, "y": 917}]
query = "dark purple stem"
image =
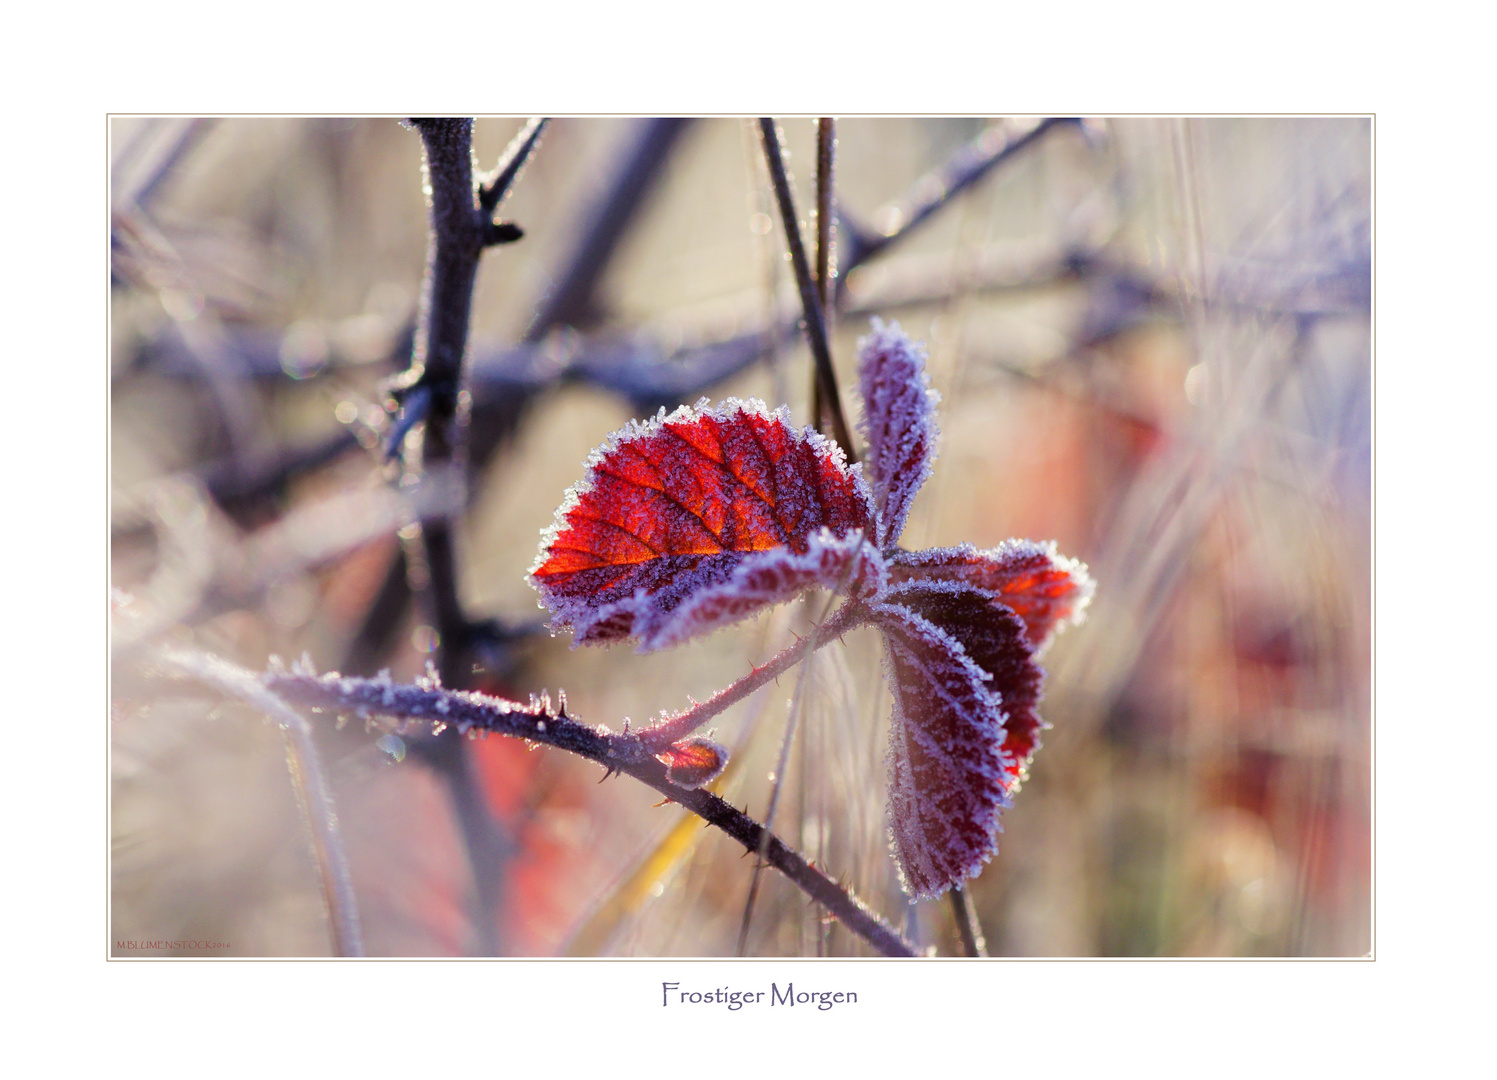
[
  {"x": 821, "y": 351},
  {"x": 826, "y": 218},
  {"x": 672, "y": 728},
  {"x": 542, "y": 722},
  {"x": 434, "y": 382},
  {"x": 434, "y": 386},
  {"x": 515, "y": 155}
]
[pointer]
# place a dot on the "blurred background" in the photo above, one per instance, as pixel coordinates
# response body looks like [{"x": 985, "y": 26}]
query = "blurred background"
[{"x": 1152, "y": 338}]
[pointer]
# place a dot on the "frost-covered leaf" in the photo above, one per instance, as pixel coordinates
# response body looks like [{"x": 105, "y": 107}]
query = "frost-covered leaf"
[
  {"x": 1045, "y": 589},
  {"x": 948, "y": 777},
  {"x": 681, "y": 513},
  {"x": 845, "y": 564},
  {"x": 899, "y": 421},
  {"x": 994, "y": 638},
  {"x": 694, "y": 762}
]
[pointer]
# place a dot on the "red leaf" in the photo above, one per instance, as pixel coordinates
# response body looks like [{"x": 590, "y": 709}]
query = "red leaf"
[
  {"x": 764, "y": 578},
  {"x": 1045, "y": 589},
  {"x": 994, "y": 639},
  {"x": 948, "y": 776},
  {"x": 694, "y": 762},
  {"x": 899, "y": 421},
  {"x": 704, "y": 505}
]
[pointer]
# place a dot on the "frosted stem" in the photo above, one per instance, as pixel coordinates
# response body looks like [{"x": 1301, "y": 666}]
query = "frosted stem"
[
  {"x": 541, "y": 721},
  {"x": 672, "y": 728}
]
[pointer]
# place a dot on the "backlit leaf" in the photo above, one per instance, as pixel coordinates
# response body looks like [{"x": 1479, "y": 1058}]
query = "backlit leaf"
[
  {"x": 700, "y": 518},
  {"x": 948, "y": 777},
  {"x": 899, "y": 421},
  {"x": 994, "y": 638},
  {"x": 1045, "y": 589},
  {"x": 763, "y": 578}
]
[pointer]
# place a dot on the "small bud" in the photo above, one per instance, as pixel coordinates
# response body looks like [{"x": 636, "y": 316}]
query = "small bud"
[{"x": 695, "y": 762}]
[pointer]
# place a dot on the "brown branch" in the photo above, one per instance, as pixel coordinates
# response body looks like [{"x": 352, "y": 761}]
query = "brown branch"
[
  {"x": 815, "y": 319},
  {"x": 492, "y": 193},
  {"x": 434, "y": 386},
  {"x": 542, "y": 722},
  {"x": 826, "y": 143}
]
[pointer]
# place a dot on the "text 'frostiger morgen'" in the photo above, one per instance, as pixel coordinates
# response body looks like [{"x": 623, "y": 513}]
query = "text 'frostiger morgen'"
[{"x": 672, "y": 994}]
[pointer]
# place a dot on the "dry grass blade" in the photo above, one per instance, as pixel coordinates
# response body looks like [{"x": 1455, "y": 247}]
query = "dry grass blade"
[{"x": 307, "y": 777}]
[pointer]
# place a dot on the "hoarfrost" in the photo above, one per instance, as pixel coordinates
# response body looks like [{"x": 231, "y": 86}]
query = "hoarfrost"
[
  {"x": 700, "y": 518},
  {"x": 994, "y": 638},
  {"x": 695, "y": 762},
  {"x": 1044, "y": 588},
  {"x": 671, "y": 509},
  {"x": 947, "y": 780},
  {"x": 899, "y": 422}
]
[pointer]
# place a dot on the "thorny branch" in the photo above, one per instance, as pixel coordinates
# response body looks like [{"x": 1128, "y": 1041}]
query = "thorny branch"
[
  {"x": 433, "y": 393},
  {"x": 493, "y": 190},
  {"x": 504, "y": 380},
  {"x": 542, "y": 722},
  {"x": 433, "y": 389}
]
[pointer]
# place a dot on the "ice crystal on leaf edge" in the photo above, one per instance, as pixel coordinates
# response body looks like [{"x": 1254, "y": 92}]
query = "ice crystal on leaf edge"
[
  {"x": 695, "y": 520},
  {"x": 683, "y": 509}
]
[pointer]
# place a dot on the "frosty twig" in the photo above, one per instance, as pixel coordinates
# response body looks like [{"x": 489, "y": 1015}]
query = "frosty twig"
[
  {"x": 543, "y": 721},
  {"x": 674, "y": 727}
]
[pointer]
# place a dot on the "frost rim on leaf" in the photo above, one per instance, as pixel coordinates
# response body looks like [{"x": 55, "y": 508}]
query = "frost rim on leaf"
[
  {"x": 954, "y": 558},
  {"x": 899, "y": 401},
  {"x": 953, "y": 775},
  {"x": 860, "y": 562},
  {"x": 584, "y": 618},
  {"x": 990, "y": 727}
]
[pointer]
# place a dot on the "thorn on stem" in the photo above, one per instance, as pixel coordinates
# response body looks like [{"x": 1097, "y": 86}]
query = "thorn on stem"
[
  {"x": 515, "y": 155},
  {"x": 501, "y": 232}
]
